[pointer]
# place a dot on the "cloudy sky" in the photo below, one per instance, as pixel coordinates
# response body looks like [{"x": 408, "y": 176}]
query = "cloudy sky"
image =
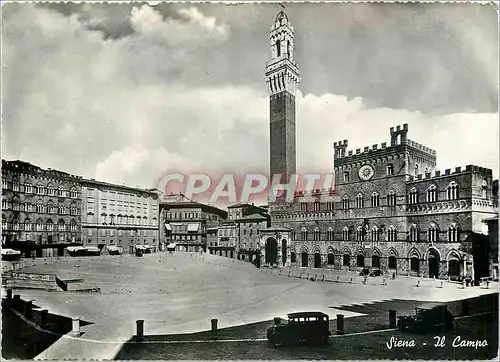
[{"x": 128, "y": 92}]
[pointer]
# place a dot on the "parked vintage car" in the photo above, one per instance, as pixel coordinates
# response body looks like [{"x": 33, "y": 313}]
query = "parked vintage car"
[
  {"x": 376, "y": 273},
  {"x": 428, "y": 318},
  {"x": 301, "y": 328},
  {"x": 364, "y": 271}
]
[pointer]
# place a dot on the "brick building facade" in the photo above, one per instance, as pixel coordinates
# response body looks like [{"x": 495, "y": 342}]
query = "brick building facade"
[
  {"x": 41, "y": 209},
  {"x": 391, "y": 209},
  {"x": 188, "y": 224}
]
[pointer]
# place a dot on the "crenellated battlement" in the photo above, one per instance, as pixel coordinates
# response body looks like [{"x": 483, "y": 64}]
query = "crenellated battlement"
[
  {"x": 448, "y": 172},
  {"x": 398, "y": 138},
  {"x": 421, "y": 147}
]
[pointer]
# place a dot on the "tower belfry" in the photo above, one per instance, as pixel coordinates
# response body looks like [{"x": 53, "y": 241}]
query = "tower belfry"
[{"x": 282, "y": 77}]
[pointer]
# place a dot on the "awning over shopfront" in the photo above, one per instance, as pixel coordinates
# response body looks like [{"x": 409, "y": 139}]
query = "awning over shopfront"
[
  {"x": 73, "y": 249},
  {"x": 93, "y": 249},
  {"x": 193, "y": 227},
  {"x": 10, "y": 252}
]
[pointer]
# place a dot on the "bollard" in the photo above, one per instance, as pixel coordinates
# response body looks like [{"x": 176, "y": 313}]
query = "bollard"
[
  {"x": 28, "y": 306},
  {"x": 140, "y": 330},
  {"x": 43, "y": 317},
  {"x": 323, "y": 277},
  {"x": 214, "y": 329},
  {"x": 418, "y": 283},
  {"x": 75, "y": 331},
  {"x": 465, "y": 307},
  {"x": 364, "y": 280},
  {"x": 9, "y": 294},
  {"x": 17, "y": 301},
  {"x": 384, "y": 282},
  {"x": 351, "y": 280},
  {"x": 338, "y": 279},
  {"x": 340, "y": 324},
  {"x": 441, "y": 285},
  {"x": 289, "y": 273},
  {"x": 392, "y": 318}
]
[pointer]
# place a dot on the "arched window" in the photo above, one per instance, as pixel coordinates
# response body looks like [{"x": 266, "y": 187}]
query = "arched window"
[
  {"x": 360, "y": 201},
  {"x": 278, "y": 48},
  {"x": 316, "y": 234},
  {"x": 345, "y": 202},
  {"x": 50, "y": 225},
  {"x": 452, "y": 191},
  {"x": 345, "y": 234},
  {"x": 360, "y": 234},
  {"x": 416, "y": 170},
  {"x": 27, "y": 225},
  {"x": 375, "y": 234},
  {"x": 391, "y": 198},
  {"x": 303, "y": 234},
  {"x": 433, "y": 233},
  {"x": 72, "y": 225},
  {"x": 391, "y": 233},
  {"x": 317, "y": 205},
  {"x": 28, "y": 188},
  {"x": 39, "y": 208},
  {"x": 390, "y": 169},
  {"x": 346, "y": 176},
  {"x": 288, "y": 49},
  {"x": 453, "y": 233},
  {"x": 432, "y": 193},
  {"x": 484, "y": 189},
  {"x": 413, "y": 234},
  {"x": 292, "y": 235},
  {"x": 61, "y": 226},
  {"x": 330, "y": 234},
  {"x": 40, "y": 190},
  {"x": 375, "y": 200},
  {"x": 413, "y": 196},
  {"x": 39, "y": 225}
]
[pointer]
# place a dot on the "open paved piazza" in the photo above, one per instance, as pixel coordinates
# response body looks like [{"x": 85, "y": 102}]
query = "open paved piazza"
[{"x": 182, "y": 292}]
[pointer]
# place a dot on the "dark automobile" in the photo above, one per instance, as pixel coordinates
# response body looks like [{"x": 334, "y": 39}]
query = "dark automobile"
[
  {"x": 304, "y": 327},
  {"x": 376, "y": 273},
  {"x": 364, "y": 271},
  {"x": 430, "y": 317}
]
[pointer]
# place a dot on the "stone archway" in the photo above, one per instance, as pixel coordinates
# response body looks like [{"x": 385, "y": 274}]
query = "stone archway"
[
  {"x": 305, "y": 258},
  {"x": 317, "y": 259},
  {"x": 434, "y": 261},
  {"x": 271, "y": 251}
]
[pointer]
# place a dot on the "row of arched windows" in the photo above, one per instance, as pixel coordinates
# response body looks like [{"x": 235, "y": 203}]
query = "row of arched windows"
[
  {"x": 40, "y": 189},
  {"x": 452, "y": 193},
  {"x": 48, "y": 208},
  {"x": 120, "y": 219},
  {"x": 374, "y": 233},
  {"x": 40, "y": 225},
  {"x": 433, "y": 233},
  {"x": 374, "y": 200}
]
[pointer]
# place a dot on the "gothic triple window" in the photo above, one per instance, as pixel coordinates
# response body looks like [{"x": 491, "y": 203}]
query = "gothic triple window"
[
  {"x": 391, "y": 198},
  {"x": 345, "y": 202},
  {"x": 453, "y": 233},
  {"x": 413, "y": 233},
  {"x": 391, "y": 233},
  {"x": 390, "y": 169},
  {"x": 375, "y": 199},
  {"x": 346, "y": 176},
  {"x": 432, "y": 193},
  {"x": 360, "y": 202},
  {"x": 452, "y": 191},
  {"x": 316, "y": 234},
  {"x": 375, "y": 234},
  {"x": 413, "y": 196},
  {"x": 433, "y": 233},
  {"x": 360, "y": 234},
  {"x": 329, "y": 234},
  {"x": 303, "y": 234}
]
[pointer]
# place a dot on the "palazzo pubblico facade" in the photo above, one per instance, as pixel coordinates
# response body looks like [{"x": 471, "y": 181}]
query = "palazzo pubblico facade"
[{"x": 390, "y": 210}]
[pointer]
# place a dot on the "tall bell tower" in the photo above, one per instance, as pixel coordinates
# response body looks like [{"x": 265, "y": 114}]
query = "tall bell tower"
[{"x": 282, "y": 77}]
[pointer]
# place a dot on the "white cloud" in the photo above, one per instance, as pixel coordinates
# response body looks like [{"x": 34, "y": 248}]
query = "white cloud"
[{"x": 113, "y": 109}]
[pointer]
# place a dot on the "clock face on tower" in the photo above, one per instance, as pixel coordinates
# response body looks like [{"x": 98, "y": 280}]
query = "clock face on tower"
[{"x": 366, "y": 172}]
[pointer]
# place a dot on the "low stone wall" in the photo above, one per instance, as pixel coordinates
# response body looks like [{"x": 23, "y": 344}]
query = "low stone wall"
[{"x": 30, "y": 280}]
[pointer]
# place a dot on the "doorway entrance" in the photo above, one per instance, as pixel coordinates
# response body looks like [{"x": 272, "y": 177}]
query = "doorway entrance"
[
  {"x": 317, "y": 260},
  {"x": 433, "y": 263},
  {"x": 271, "y": 251}
]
